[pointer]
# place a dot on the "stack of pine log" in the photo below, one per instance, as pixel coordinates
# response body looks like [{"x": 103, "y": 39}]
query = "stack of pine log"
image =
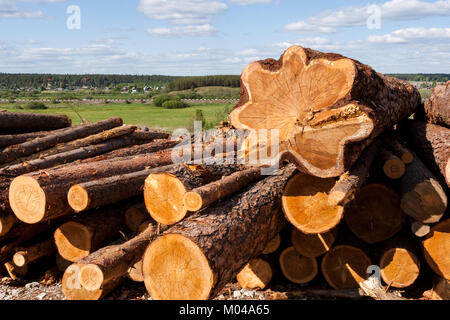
[{"x": 359, "y": 184}]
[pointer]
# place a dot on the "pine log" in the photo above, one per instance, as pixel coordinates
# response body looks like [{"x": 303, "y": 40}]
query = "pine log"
[
  {"x": 399, "y": 263},
  {"x": 344, "y": 267},
  {"x": 80, "y": 237},
  {"x": 255, "y": 275},
  {"x": 305, "y": 204},
  {"x": 375, "y": 214},
  {"x": 25, "y": 149},
  {"x": 164, "y": 192},
  {"x": 399, "y": 150},
  {"x": 419, "y": 229},
  {"x": 42, "y": 195},
  {"x": 135, "y": 216},
  {"x": 437, "y": 108},
  {"x": 14, "y": 271},
  {"x": 116, "y": 260},
  {"x": 97, "y": 193},
  {"x": 273, "y": 245},
  {"x": 41, "y": 249},
  {"x": 440, "y": 291},
  {"x": 197, "y": 257},
  {"x": 393, "y": 167},
  {"x": 90, "y": 140},
  {"x": 7, "y": 222},
  {"x": 436, "y": 247},
  {"x": 135, "y": 272},
  {"x": 73, "y": 290},
  {"x": 350, "y": 182},
  {"x": 204, "y": 196},
  {"x": 327, "y": 107},
  {"x": 66, "y": 157},
  {"x": 422, "y": 196},
  {"x": 7, "y": 140},
  {"x": 297, "y": 268},
  {"x": 150, "y": 135},
  {"x": 15, "y": 122},
  {"x": 432, "y": 143},
  {"x": 313, "y": 245}
]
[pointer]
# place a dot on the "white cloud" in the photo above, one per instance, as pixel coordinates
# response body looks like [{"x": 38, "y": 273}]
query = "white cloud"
[
  {"x": 9, "y": 9},
  {"x": 328, "y": 21},
  {"x": 188, "y": 12},
  {"x": 248, "y": 2},
  {"x": 411, "y": 34},
  {"x": 192, "y": 31}
]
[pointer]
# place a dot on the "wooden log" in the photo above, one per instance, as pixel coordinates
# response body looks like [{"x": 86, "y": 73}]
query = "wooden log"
[
  {"x": 14, "y": 271},
  {"x": 135, "y": 216},
  {"x": 116, "y": 260},
  {"x": 164, "y": 192},
  {"x": 419, "y": 229},
  {"x": 204, "y": 196},
  {"x": 7, "y": 221},
  {"x": 437, "y": 108},
  {"x": 327, "y": 107},
  {"x": 399, "y": 263},
  {"x": 313, "y": 245},
  {"x": 41, "y": 249},
  {"x": 255, "y": 275},
  {"x": 73, "y": 290},
  {"x": 297, "y": 268},
  {"x": 25, "y": 149},
  {"x": 305, "y": 204},
  {"x": 436, "y": 247},
  {"x": 432, "y": 143},
  {"x": 422, "y": 196},
  {"x": 135, "y": 272},
  {"x": 344, "y": 267},
  {"x": 80, "y": 237},
  {"x": 7, "y": 140},
  {"x": 393, "y": 167},
  {"x": 216, "y": 244},
  {"x": 440, "y": 291},
  {"x": 97, "y": 193},
  {"x": 42, "y": 195},
  {"x": 90, "y": 140},
  {"x": 399, "y": 150},
  {"x": 15, "y": 122},
  {"x": 150, "y": 135},
  {"x": 273, "y": 245},
  {"x": 61, "y": 263},
  {"x": 375, "y": 214},
  {"x": 350, "y": 182},
  {"x": 66, "y": 157}
]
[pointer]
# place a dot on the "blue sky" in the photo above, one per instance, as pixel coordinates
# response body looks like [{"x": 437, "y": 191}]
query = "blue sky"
[{"x": 197, "y": 37}]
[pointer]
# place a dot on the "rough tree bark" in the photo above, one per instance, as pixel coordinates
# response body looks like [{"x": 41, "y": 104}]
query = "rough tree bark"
[
  {"x": 14, "y": 122},
  {"x": 437, "y": 108},
  {"x": 326, "y": 106},
  {"x": 197, "y": 257}
]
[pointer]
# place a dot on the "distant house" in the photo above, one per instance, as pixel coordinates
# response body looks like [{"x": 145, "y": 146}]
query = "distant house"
[
  {"x": 133, "y": 90},
  {"x": 147, "y": 89}
]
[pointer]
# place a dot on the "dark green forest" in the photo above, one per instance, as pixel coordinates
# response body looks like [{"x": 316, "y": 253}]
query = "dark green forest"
[
  {"x": 422, "y": 77},
  {"x": 204, "y": 81}
]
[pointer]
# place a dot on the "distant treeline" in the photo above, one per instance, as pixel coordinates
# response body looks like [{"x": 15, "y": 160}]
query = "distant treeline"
[
  {"x": 28, "y": 80},
  {"x": 421, "y": 77},
  {"x": 204, "y": 81}
]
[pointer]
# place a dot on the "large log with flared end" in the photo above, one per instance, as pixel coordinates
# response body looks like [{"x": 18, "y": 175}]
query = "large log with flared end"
[
  {"x": 326, "y": 107},
  {"x": 97, "y": 138},
  {"x": 313, "y": 245},
  {"x": 344, "y": 267},
  {"x": 116, "y": 260},
  {"x": 432, "y": 144},
  {"x": 15, "y": 122},
  {"x": 204, "y": 196},
  {"x": 32, "y": 253},
  {"x": 27, "y": 148},
  {"x": 392, "y": 166},
  {"x": 436, "y": 248},
  {"x": 255, "y": 275},
  {"x": 422, "y": 196},
  {"x": 97, "y": 193},
  {"x": 297, "y": 268},
  {"x": 80, "y": 237},
  {"x": 73, "y": 290},
  {"x": 375, "y": 214},
  {"x": 399, "y": 263},
  {"x": 164, "y": 192},
  {"x": 437, "y": 110},
  {"x": 350, "y": 182},
  {"x": 197, "y": 257},
  {"x": 305, "y": 204},
  {"x": 42, "y": 195}
]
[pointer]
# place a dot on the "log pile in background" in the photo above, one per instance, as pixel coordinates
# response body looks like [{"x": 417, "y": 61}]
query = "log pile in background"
[{"x": 358, "y": 185}]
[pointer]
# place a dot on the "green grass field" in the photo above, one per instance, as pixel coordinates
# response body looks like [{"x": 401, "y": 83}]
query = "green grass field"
[{"x": 148, "y": 115}]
